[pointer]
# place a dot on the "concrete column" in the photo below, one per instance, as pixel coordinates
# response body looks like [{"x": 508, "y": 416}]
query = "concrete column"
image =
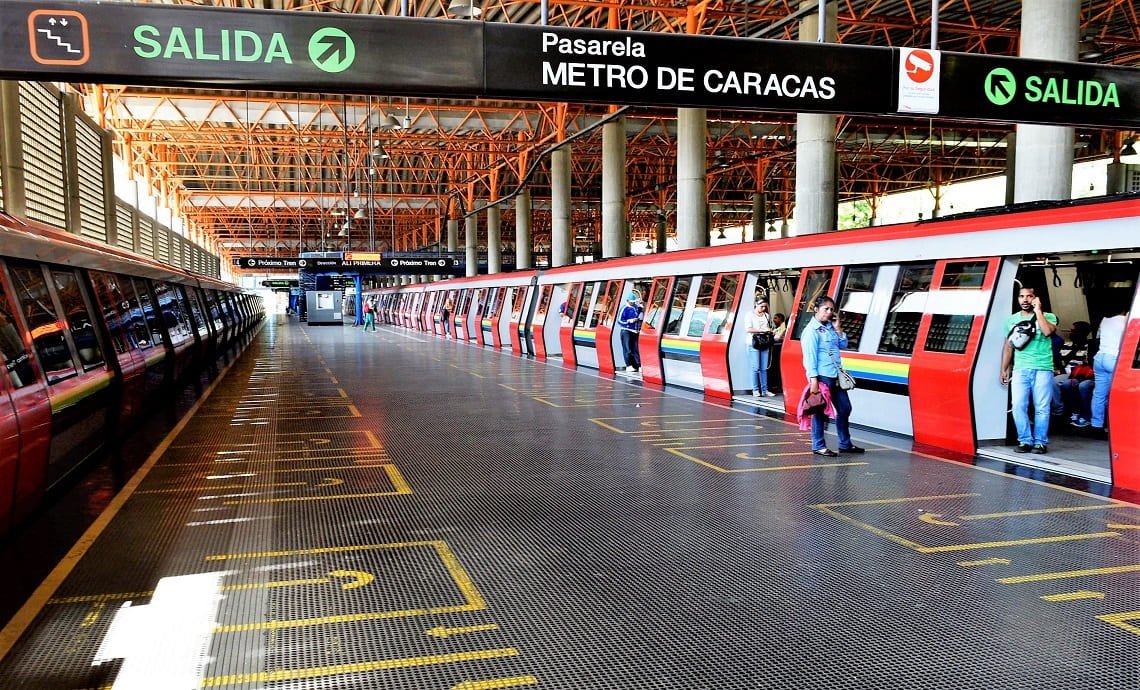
[
  {"x": 452, "y": 235},
  {"x": 110, "y": 209},
  {"x": 522, "y": 230},
  {"x": 494, "y": 241},
  {"x": 759, "y": 215},
  {"x": 692, "y": 230},
  {"x": 1050, "y": 30},
  {"x": 561, "y": 237},
  {"x": 12, "y": 150},
  {"x": 471, "y": 239},
  {"x": 816, "y": 199},
  {"x": 69, "y": 111},
  {"x": 1010, "y": 165},
  {"x": 661, "y": 233},
  {"x": 615, "y": 238}
]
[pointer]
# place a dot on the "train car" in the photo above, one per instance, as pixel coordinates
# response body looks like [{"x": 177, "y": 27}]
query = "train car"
[
  {"x": 91, "y": 336},
  {"x": 924, "y": 305}
]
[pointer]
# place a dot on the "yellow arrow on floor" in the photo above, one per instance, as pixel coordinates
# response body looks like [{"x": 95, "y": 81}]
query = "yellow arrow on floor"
[
  {"x": 329, "y": 481},
  {"x": 932, "y": 518},
  {"x": 444, "y": 632},
  {"x": 514, "y": 682}
]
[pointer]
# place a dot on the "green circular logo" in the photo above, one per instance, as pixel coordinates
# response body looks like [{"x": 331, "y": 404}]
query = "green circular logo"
[
  {"x": 1001, "y": 86},
  {"x": 332, "y": 50}
]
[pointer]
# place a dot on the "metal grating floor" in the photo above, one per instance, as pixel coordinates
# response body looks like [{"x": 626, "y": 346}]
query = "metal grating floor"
[{"x": 389, "y": 510}]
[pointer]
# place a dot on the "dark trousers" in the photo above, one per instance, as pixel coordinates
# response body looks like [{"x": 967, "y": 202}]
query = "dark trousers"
[{"x": 629, "y": 349}]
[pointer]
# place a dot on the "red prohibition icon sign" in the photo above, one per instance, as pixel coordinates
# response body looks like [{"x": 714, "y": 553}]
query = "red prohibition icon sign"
[{"x": 919, "y": 66}]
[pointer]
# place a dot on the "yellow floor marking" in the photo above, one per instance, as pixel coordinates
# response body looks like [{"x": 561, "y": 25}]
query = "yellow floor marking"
[
  {"x": 1074, "y": 596},
  {"x": 207, "y": 487},
  {"x": 1120, "y": 620},
  {"x": 1117, "y": 525},
  {"x": 658, "y": 432},
  {"x": 31, "y": 608},
  {"x": 1017, "y": 542},
  {"x": 777, "y": 468},
  {"x": 356, "y": 667},
  {"x": 887, "y": 501},
  {"x": 355, "y": 412},
  {"x": 356, "y": 578},
  {"x": 608, "y": 403},
  {"x": 398, "y": 482},
  {"x": 932, "y": 519},
  {"x": 495, "y": 683},
  {"x": 92, "y": 616},
  {"x": 342, "y": 393},
  {"x": 1042, "y": 577},
  {"x": 372, "y": 439},
  {"x": 443, "y": 632},
  {"x": 826, "y": 508},
  {"x": 1040, "y": 511},
  {"x": 987, "y": 561}
]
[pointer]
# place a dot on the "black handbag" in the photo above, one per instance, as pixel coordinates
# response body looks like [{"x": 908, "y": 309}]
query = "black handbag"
[{"x": 762, "y": 341}]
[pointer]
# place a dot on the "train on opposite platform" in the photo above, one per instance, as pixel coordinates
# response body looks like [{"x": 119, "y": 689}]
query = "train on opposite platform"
[
  {"x": 92, "y": 337},
  {"x": 924, "y": 305}
]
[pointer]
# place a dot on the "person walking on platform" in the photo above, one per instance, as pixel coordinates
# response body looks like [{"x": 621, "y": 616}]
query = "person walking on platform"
[
  {"x": 369, "y": 314},
  {"x": 1109, "y": 335},
  {"x": 821, "y": 340},
  {"x": 1027, "y": 362},
  {"x": 758, "y": 325},
  {"x": 629, "y": 321}
]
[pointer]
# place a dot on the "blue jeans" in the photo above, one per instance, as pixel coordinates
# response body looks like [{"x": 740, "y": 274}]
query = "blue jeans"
[
  {"x": 629, "y": 349},
  {"x": 842, "y": 404},
  {"x": 1104, "y": 366},
  {"x": 759, "y": 361},
  {"x": 1038, "y": 384}
]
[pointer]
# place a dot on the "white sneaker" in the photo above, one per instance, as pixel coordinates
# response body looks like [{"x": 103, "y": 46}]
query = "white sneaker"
[
  {"x": 631, "y": 368},
  {"x": 769, "y": 394},
  {"x": 755, "y": 394}
]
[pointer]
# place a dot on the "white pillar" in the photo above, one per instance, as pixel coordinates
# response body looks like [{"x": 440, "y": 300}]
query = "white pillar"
[
  {"x": 816, "y": 199},
  {"x": 522, "y": 230},
  {"x": 561, "y": 237},
  {"x": 1050, "y": 30},
  {"x": 692, "y": 230},
  {"x": 615, "y": 240},
  {"x": 494, "y": 241},
  {"x": 471, "y": 239},
  {"x": 453, "y": 235}
]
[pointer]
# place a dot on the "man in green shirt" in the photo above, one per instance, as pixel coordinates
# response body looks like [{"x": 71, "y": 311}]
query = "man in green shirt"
[{"x": 1030, "y": 369}]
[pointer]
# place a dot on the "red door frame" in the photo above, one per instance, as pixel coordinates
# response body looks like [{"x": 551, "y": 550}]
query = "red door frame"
[
  {"x": 480, "y": 296},
  {"x": 604, "y": 333},
  {"x": 497, "y": 315},
  {"x": 649, "y": 341},
  {"x": 1123, "y": 399},
  {"x": 566, "y": 327},
  {"x": 539, "y": 322},
  {"x": 792, "y": 355},
  {"x": 940, "y": 382},
  {"x": 714, "y": 346},
  {"x": 519, "y": 293}
]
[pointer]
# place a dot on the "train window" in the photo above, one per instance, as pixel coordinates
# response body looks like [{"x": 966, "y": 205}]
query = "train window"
[
  {"x": 654, "y": 310},
  {"x": 153, "y": 322},
  {"x": 133, "y": 321},
  {"x": 611, "y": 303},
  {"x": 17, "y": 359},
  {"x": 43, "y": 322},
  {"x": 194, "y": 298},
  {"x": 110, "y": 298},
  {"x": 570, "y": 306},
  {"x": 725, "y": 299},
  {"x": 585, "y": 319},
  {"x": 907, "y": 305},
  {"x": 520, "y": 302},
  {"x": 79, "y": 320},
  {"x": 215, "y": 311},
  {"x": 544, "y": 300},
  {"x": 700, "y": 314},
  {"x": 815, "y": 286},
  {"x": 677, "y": 306},
  {"x": 464, "y": 301},
  {"x": 964, "y": 275},
  {"x": 949, "y": 333},
  {"x": 173, "y": 311},
  {"x": 855, "y": 301}
]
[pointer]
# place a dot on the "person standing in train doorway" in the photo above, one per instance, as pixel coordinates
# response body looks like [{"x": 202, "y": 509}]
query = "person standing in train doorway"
[
  {"x": 1109, "y": 337},
  {"x": 1027, "y": 363},
  {"x": 821, "y": 340},
  {"x": 630, "y": 323},
  {"x": 758, "y": 324}
]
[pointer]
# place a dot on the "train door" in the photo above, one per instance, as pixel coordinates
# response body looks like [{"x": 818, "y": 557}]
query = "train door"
[
  {"x": 25, "y": 415},
  {"x": 591, "y": 306},
  {"x": 611, "y": 303},
  {"x": 501, "y": 321},
  {"x": 423, "y": 314},
  {"x": 1124, "y": 438},
  {"x": 468, "y": 309},
  {"x": 948, "y": 341},
  {"x": 569, "y": 318},
  {"x": 778, "y": 290},
  {"x": 516, "y": 331},
  {"x": 649, "y": 340},
  {"x": 490, "y": 321},
  {"x": 684, "y": 326},
  {"x": 545, "y": 337},
  {"x": 722, "y": 306},
  {"x": 173, "y": 315},
  {"x": 814, "y": 283},
  {"x": 132, "y": 367}
]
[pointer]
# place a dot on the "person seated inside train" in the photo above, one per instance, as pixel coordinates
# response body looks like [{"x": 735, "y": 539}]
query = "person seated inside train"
[
  {"x": 1068, "y": 354},
  {"x": 1074, "y": 388}
]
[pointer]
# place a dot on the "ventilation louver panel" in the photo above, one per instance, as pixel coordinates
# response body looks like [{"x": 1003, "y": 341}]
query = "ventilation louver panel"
[
  {"x": 125, "y": 235},
  {"x": 146, "y": 236},
  {"x": 89, "y": 154},
  {"x": 41, "y": 128}
]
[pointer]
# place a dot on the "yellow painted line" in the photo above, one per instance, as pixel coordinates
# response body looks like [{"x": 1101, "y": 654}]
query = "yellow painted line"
[
  {"x": 31, "y": 608},
  {"x": 777, "y": 468},
  {"x": 1120, "y": 620},
  {"x": 398, "y": 482},
  {"x": 356, "y": 578},
  {"x": 825, "y": 508},
  {"x": 342, "y": 393},
  {"x": 92, "y": 616},
  {"x": 1117, "y": 525},
  {"x": 1074, "y": 596},
  {"x": 241, "y": 487},
  {"x": 711, "y": 437},
  {"x": 443, "y": 632},
  {"x": 355, "y": 412},
  {"x": 1042, "y": 577},
  {"x": 888, "y": 501},
  {"x": 356, "y": 667},
  {"x": 495, "y": 683},
  {"x": 608, "y": 403},
  {"x": 932, "y": 519},
  {"x": 1017, "y": 542},
  {"x": 986, "y": 561},
  {"x": 1041, "y": 511},
  {"x": 373, "y": 440}
]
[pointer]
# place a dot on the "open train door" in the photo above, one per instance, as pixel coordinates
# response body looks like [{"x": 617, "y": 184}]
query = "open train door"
[
  {"x": 814, "y": 283},
  {"x": 604, "y": 334},
  {"x": 649, "y": 341},
  {"x": 569, "y": 317},
  {"x": 718, "y": 328},
  {"x": 1123, "y": 401}
]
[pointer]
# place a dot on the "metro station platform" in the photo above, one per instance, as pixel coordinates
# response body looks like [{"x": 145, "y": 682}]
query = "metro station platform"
[{"x": 391, "y": 510}]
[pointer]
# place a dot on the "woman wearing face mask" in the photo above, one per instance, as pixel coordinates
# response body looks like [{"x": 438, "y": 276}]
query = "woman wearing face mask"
[
  {"x": 758, "y": 321},
  {"x": 822, "y": 341}
]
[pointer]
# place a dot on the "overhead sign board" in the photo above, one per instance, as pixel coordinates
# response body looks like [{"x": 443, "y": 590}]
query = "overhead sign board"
[
  {"x": 594, "y": 65},
  {"x": 919, "y": 78},
  {"x": 221, "y": 47},
  {"x": 427, "y": 264},
  {"x": 266, "y": 262}
]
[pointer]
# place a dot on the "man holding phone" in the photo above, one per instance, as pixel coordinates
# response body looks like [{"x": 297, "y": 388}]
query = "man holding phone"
[{"x": 1030, "y": 370}]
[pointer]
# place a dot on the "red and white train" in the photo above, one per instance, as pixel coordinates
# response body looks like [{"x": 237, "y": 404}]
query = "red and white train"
[
  {"x": 924, "y": 305},
  {"x": 91, "y": 337}
]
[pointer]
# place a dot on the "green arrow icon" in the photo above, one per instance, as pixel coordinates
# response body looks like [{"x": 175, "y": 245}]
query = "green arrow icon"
[
  {"x": 332, "y": 50},
  {"x": 1001, "y": 86}
]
